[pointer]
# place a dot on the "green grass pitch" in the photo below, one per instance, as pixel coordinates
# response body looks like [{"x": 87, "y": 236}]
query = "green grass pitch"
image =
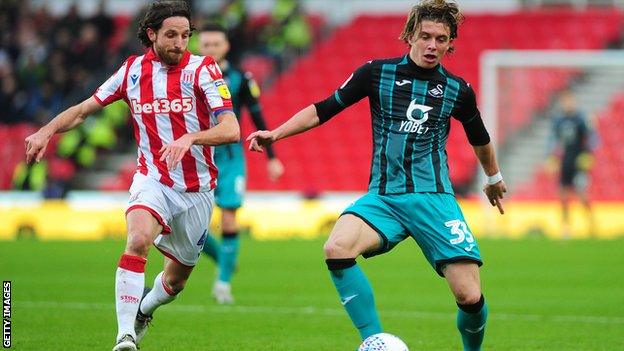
[{"x": 543, "y": 295}]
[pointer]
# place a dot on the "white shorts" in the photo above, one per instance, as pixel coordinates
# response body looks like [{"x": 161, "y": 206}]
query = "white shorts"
[{"x": 183, "y": 216}]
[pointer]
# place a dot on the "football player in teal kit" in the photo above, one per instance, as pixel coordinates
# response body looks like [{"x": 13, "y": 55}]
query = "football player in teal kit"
[
  {"x": 230, "y": 160},
  {"x": 412, "y": 99}
]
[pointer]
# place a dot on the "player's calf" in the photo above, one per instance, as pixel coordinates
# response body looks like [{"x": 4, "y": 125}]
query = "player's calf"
[
  {"x": 356, "y": 295},
  {"x": 129, "y": 282},
  {"x": 174, "y": 284},
  {"x": 160, "y": 294},
  {"x": 471, "y": 320}
]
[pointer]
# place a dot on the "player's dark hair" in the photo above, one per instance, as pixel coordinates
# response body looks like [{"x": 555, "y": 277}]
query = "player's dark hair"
[
  {"x": 159, "y": 11},
  {"x": 441, "y": 11},
  {"x": 213, "y": 27}
]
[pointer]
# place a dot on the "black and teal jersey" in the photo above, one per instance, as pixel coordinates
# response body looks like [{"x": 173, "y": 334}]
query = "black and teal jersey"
[
  {"x": 245, "y": 93},
  {"x": 571, "y": 133},
  {"x": 411, "y": 108}
]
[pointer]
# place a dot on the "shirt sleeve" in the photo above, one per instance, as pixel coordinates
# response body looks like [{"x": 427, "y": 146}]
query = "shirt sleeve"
[
  {"x": 470, "y": 117},
  {"x": 354, "y": 89},
  {"x": 216, "y": 92},
  {"x": 113, "y": 88}
]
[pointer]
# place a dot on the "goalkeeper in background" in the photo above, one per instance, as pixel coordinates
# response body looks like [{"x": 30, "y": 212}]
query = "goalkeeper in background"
[{"x": 573, "y": 142}]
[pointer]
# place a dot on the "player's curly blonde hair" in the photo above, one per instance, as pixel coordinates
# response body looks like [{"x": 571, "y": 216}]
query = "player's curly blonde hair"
[{"x": 441, "y": 11}]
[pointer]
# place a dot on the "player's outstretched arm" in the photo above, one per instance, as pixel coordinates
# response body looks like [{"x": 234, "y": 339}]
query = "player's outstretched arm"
[
  {"x": 495, "y": 187},
  {"x": 303, "y": 120},
  {"x": 225, "y": 132},
  {"x": 36, "y": 143}
]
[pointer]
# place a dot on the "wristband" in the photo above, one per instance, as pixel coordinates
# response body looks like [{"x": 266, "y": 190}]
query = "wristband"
[{"x": 491, "y": 180}]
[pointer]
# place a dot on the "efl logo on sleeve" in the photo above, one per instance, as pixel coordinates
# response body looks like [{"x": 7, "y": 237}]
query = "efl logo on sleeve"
[
  {"x": 6, "y": 314},
  {"x": 224, "y": 92}
]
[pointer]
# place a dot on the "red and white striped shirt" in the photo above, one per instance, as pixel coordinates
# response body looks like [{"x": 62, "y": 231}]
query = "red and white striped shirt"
[{"x": 166, "y": 103}]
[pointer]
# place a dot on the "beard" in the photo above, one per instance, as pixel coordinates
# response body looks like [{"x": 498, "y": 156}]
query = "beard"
[{"x": 169, "y": 57}]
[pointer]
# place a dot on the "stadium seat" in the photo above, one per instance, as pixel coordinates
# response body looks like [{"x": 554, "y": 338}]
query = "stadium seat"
[{"x": 331, "y": 61}]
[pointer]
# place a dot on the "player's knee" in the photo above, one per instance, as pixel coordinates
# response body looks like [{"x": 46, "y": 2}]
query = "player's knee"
[
  {"x": 468, "y": 296},
  {"x": 139, "y": 243},
  {"x": 229, "y": 227},
  {"x": 334, "y": 249}
]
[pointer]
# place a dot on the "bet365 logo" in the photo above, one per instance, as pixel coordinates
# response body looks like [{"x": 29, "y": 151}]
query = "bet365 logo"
[
  {"x": 416, "y": 114},
  {"x": 163, "y": 106}
]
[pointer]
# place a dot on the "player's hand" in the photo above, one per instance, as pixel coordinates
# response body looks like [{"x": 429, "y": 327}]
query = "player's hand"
[
  {"x": 494, "y": 193},
  {"x": 275, "y": 169},
  {"x": 36, "y": 145},
  {"x": 261, "y": 139},
  {"x": 174, "y": 152}
]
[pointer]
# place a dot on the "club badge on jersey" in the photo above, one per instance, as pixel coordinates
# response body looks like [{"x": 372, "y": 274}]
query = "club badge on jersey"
[{"x": 187, "y": 78}]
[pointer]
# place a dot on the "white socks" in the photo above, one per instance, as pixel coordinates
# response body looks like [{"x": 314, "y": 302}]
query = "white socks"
[
  {"x": 161, "y": 294},
  {"x": 129, "y": 283}
]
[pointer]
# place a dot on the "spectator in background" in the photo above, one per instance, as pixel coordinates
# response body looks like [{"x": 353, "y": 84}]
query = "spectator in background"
[
  {"x": 45, "y": 102},
  {"x": 233, "y": 17},
  {"x": 12, "y": 101},
  {"x": 89, "y": 51},
  {"x": 573, "y": 141},
  {"x": 289, "y": 34},
  {"x": 71, "y": 21},
  {"x": 103, "y": 22}
]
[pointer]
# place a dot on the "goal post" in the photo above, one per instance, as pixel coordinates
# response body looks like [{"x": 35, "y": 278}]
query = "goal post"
[
  {"x": 492, "y": 61},
  {"x": 518, "y": 92}
]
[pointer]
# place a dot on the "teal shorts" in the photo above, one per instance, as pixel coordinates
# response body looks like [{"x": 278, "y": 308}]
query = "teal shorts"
[
  {"x": 434, "y": 220},
  {"x": 230, "y": 161}
]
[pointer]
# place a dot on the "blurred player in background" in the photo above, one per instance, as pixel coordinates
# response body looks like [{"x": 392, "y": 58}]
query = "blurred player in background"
[
  {"x": 230, "y": 160},
  {"x": 412, "y": 99},
  {"x": 573, "y": 141},
  {"x": 175, "y": 99}
]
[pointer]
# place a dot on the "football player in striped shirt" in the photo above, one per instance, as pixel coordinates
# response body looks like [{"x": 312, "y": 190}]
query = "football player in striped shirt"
[
  {"x": 181, "y": 109},
  {"x": 412, "y": 99}
]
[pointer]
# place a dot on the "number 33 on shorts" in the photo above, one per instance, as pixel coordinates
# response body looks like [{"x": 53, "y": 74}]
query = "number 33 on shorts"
[{"x": 460, "y": 231}]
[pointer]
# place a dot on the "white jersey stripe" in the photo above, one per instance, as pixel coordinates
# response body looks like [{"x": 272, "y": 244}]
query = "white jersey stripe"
[
  {"x": 133, "y": 92},
  {"x": 192, "y": 124},
  {"x": 163, "y": 122}
]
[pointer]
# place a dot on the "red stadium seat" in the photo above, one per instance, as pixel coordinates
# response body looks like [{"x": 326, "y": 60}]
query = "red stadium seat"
[{"x": 330, "y": 62}]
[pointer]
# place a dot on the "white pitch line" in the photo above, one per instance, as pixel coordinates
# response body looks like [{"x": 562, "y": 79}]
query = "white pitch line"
[{"x": 309, "y": 310}]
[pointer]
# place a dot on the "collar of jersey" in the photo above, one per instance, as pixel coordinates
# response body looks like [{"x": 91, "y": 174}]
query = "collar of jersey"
[
  {"x": 151, "y": 55},
  {"x": 420, "y": 70}
]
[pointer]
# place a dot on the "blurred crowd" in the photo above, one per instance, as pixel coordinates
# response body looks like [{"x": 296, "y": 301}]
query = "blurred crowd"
[{"x": 48, "y": 63}]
